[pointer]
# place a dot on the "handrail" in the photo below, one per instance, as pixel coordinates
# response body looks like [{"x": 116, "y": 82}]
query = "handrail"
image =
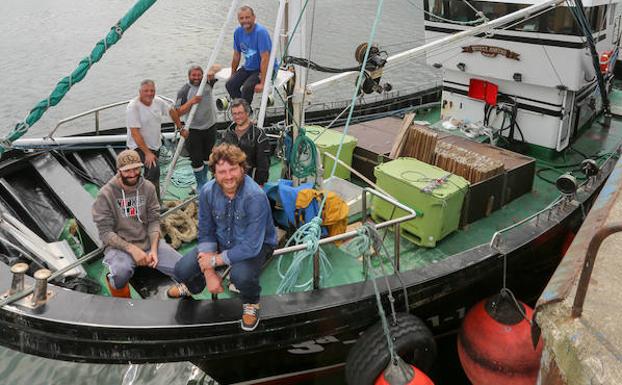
[
  {"x": 96, "y": 111},
  {"x": 350, "y": 234}
]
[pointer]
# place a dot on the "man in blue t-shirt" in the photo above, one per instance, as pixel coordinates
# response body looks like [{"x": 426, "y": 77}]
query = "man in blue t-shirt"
[{"x": 253, "y": 41}]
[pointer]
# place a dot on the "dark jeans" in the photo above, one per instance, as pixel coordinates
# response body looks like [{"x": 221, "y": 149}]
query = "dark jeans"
[
  {"x": 244, "y": 274},
  {"x": 152, "y": 174},
  {"x": 244, "y": 80},
  {"x": 199, "y": 146}
]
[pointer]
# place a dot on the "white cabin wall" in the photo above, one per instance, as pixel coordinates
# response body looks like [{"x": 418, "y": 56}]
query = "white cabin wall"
[{"x": 572, "y": 65}]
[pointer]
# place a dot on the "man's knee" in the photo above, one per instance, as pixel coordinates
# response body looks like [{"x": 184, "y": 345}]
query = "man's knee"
[{"x": 187, "y": 267}]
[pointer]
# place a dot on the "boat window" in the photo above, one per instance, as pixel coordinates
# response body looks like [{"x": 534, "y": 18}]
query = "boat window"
[
  {"x": 558, "y": 20},
  {"x": 597, "y": 17}
]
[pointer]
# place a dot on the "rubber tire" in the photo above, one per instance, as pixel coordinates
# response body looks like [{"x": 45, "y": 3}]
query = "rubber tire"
[{"x": 369, "y": 356}]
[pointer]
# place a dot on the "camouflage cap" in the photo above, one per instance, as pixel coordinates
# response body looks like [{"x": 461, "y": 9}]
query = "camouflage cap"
[{"x": 127, "y": 160}]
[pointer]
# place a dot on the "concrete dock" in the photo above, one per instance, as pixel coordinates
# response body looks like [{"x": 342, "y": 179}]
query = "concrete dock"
[{"x": 583, "y": 341}]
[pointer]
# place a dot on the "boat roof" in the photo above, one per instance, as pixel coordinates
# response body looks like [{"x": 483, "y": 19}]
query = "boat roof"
[{"x": 586, "y": 3}]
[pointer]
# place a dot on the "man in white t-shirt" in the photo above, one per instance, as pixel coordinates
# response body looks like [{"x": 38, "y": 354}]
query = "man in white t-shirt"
[{"x": 144, "y": 122}]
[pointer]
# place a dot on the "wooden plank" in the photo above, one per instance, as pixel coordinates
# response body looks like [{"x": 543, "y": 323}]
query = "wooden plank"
[{"x": 399, "y": 140}]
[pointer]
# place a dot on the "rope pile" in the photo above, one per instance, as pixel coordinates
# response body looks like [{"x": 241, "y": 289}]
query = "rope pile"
[{"x": 180, "y": 226}]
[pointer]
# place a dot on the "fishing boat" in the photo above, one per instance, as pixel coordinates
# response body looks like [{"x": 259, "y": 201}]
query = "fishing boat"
[{"x": 529, "y": 99}]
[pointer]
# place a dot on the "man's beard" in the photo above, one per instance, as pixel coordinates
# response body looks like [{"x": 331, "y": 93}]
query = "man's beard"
[
  {"x": 237, "y": 184},
  {"x": 127, "y": 182}
]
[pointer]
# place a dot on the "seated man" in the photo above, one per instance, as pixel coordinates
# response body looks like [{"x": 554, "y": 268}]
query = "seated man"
[
  {"x": 252, "y": 40},
  {"x": 127, "y": 214},
  {"x": 235, "y": 228},
  {"x": 251, "y": 139}
]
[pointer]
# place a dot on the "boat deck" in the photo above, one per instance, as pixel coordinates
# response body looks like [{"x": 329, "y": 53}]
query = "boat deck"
[{"x": 599, "y": 144}]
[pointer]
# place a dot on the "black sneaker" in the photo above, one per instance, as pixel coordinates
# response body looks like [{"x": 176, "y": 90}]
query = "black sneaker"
[{"x": 250, "y": 316}]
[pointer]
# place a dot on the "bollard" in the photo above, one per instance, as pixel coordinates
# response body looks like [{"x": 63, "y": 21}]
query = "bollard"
[
  {"x": 18, "y": 270},
  {"x": 41, "y": 286}
]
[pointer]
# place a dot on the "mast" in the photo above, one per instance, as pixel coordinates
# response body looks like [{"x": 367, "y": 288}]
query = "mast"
[{"x": 297, "y": 48}]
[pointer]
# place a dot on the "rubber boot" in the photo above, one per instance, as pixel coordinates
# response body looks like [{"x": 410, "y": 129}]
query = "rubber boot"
[
  {"x": 123, "y": 292},
  {"x": 201, "y": 177}
]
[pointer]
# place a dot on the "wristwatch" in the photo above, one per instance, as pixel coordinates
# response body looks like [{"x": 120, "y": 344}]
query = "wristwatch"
[{"x": 214, "y": 261}]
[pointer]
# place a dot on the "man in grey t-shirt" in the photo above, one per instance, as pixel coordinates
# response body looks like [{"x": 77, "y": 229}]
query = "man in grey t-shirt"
[
  {"x": 202, "y": 129},
  {"x": 144, "y": 124}
]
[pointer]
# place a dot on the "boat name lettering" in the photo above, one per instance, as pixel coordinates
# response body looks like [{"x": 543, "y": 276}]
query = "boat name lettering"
[
  {"x": 437, "y": 320},
  {"x": 491, "y": 51},
  {"x": 312, "y": 346}
]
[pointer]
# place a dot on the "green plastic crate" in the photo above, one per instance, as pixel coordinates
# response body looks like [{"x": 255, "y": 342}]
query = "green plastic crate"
[
  {"x": 435, "y": 194},
  {"x": 327, "y": 140}
]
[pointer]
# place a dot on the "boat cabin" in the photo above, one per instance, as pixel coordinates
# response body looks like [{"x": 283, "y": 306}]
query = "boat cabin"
[{"x": 533, "y": 80}]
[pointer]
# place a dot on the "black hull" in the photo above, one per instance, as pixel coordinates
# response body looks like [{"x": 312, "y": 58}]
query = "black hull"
[{"x": 302, "y": 332}]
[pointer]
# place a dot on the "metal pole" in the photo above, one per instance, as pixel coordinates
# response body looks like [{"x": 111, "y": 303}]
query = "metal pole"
[
  {"x": 588, "y": 266},
  {"x": 364, "y": 207},
  {"x": 268, "y": 80},
  {"x": 96, "y": 122},
  {"x": 396, "y": 246},
  {"x": 210, "y": 63},
  {"x": 316, "y": 270}
]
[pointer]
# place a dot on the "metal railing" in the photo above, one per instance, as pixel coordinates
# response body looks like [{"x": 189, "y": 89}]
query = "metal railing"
[
  {"x": 351, "y": 234},
  {"x": 96, "y": 112}
]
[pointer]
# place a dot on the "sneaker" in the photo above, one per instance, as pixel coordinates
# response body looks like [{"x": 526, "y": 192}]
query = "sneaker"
[
  {"x": 178, "y": 290},
  {"x": 250, "y": 316}
]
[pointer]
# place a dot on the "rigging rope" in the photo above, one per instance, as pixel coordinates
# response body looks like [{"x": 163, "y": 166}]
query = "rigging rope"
[{"x": 65, "y": 84}]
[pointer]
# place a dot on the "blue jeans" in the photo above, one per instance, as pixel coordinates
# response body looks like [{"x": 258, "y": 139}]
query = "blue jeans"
[
  {"x": 246, "y": 80},
  {"x": 244, "y": 274}
]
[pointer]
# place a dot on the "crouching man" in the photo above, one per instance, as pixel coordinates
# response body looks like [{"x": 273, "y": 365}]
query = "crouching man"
[
  {"x": 235, "y": 228},
  {"x": 127, "y": 214}
]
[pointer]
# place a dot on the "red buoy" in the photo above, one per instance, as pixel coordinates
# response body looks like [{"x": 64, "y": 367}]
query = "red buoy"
[
  {"x": 401, "y": 373},
  {"x": 494, "y": 343}
]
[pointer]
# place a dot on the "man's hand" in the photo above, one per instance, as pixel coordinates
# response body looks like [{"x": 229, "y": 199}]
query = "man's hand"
[
  {"x": 205, "y": 260},
  {"x": 153, "y": 259},
  {"x": 184, "y": 132},
  {"x": 150, "y": 159},
  {"x": 259, "y": 88},
  {"x": 195, "y": 99},
  {"x": 211, "y": 72},
  {"x": 140, "y": 257}
]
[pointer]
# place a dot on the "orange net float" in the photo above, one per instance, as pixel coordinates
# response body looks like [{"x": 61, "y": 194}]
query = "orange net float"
[
  {"x": 494, "y": 343},
  {"x": 401, "y": 373}
]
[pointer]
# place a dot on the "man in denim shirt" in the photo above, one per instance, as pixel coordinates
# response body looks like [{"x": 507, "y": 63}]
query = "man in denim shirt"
[{"x": 235, "y": 228}]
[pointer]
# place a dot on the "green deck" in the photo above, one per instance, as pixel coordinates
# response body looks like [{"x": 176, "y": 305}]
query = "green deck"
[{"x": 593, "y": 142}]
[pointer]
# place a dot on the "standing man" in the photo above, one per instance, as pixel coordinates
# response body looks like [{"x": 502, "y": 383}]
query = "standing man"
[
  {"x": 235, "y": 228},
  {"x": 253, "y": 41},
  {"x": 202, "y": 131},
  {"x": 251, "y": 139},
  {"x": 144, "y": 125},
  {"x": 127, "y": 214}
]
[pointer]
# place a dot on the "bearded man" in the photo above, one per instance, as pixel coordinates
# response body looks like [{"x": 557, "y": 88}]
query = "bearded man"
[
  {"x": 235, "y": 229},
  {"x": 127, "y": 214}
]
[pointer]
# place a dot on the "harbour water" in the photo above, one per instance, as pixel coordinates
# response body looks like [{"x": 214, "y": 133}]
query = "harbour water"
[{"x": 42, "y": 41}]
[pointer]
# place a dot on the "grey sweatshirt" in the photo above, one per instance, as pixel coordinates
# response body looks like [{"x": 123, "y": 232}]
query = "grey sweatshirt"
[{"x": 129, "y": 215}]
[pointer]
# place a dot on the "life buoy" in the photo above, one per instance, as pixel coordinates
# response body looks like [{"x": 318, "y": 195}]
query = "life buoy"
[{"x": 369, "y": 356}]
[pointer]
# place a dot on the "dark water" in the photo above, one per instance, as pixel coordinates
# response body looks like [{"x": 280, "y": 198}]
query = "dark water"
[{"x": 42, "y": 41}]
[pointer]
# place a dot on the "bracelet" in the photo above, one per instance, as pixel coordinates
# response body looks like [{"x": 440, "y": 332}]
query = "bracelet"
[{"x": 213, "y": 261}]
